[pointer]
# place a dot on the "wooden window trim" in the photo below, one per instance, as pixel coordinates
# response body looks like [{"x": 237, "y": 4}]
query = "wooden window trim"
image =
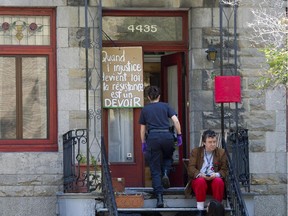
[{"x": 36, "y": 145}]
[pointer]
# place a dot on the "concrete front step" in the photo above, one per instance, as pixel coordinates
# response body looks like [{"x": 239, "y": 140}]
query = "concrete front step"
[
  {"x": 173, "y": 198},
  {"x": 151, "y": 212},
  {"x": 170, "y": 205},
  {"x": 174, "y": 201},
  {"x": 172, "y": 190},
  {"x": 166, "y": 210},
  {"x": 171, "y": 201},
  {"x": 150, "y": 209}
]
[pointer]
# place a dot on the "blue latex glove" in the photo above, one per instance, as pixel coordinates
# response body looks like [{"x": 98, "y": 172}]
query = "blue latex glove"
[
  {"x": 144, "y": 147},
  {"x": 179, "y": 139}
]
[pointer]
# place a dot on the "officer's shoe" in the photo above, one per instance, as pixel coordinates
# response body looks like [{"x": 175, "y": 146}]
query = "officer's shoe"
[
  {"x": 160, "y": 203},
  {"x": 165, "y": 181}
]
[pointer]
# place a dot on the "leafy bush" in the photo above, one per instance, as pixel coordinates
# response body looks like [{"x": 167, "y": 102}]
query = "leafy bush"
[{"x": 277, "y": 73}]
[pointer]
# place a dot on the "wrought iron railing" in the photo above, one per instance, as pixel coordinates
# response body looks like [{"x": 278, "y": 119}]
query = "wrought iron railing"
[
  {"x": 108, "y": 192},
  {"x": 233, "y": 189},
  {"x": 78, "y": 180},
  {"x": 80, "y": 168},
  {"x": 239, "y": 144}
]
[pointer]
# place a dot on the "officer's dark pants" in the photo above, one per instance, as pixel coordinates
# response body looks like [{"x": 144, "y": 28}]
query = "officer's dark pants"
[{"x": 160, "y": 148}]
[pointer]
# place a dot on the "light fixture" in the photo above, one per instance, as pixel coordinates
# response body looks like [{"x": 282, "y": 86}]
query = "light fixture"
[{"x": 211, "y": 52}]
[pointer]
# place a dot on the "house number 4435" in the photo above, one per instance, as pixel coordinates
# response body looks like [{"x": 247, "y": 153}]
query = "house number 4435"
[{"x": 142, "y": 28}]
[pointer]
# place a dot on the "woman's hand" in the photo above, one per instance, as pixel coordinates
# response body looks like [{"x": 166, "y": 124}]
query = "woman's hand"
[{"x": 209, "y": 177}]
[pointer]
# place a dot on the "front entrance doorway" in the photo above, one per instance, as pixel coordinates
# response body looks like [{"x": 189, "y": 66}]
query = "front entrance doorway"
[
  {"x": 164, "y": 65},
  {"x": 166, "y": 71},
  {"x": 126, "y": 159}
]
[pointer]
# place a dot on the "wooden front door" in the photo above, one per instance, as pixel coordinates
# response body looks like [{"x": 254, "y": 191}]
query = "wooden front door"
[
  {"x": 173, "y": 88},
  {"x": 124, "y": 145},
  {"x": 126, "y": 160}
]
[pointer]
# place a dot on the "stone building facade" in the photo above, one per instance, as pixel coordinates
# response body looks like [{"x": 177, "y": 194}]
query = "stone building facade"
[{"x": 31, "y": 180}]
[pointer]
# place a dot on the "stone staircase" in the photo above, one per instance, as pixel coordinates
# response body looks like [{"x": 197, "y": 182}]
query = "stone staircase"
[{"x": 175, "y": 203}]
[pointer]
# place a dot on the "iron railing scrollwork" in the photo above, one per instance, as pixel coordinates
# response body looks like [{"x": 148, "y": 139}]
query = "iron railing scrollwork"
[
  {"x": 233, "y": 190},
  {"x": 79, "y": 172},
  {"x": 239, "y": 145},
  {"x": 77, "y": 180}
]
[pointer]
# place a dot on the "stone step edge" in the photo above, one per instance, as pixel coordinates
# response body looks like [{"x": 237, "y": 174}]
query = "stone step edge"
[
  {"x": 153, "y": 209},
  {"x": 150, "y": 189}
]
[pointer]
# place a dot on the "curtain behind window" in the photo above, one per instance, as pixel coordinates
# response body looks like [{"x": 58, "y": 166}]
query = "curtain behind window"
[
  {"x": 23, "y": 98},
  {"x": 120, "y": 133},
  {"x": 7, "y": 98},
  {"x": 173, "y": 87}
]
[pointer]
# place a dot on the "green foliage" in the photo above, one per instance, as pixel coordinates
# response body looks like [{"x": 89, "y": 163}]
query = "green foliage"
[
  {"x": 277, "y": 73},
  {"x": 83, "y": 159}
]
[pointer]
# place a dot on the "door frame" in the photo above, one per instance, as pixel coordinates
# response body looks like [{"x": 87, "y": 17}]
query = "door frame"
[
  {"x": 179, "y": 46},
  {"x": 177, "y": 174}
]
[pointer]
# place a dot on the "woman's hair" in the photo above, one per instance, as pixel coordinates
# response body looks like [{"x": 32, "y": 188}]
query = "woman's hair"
[
  {"x": 153, "y": 92},
  {"x": 208, "y": 133},
  {"x": 215, "y": 208}
]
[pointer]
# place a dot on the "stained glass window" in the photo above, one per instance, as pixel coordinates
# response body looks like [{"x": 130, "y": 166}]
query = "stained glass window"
[{"x": 24, "y": 30}]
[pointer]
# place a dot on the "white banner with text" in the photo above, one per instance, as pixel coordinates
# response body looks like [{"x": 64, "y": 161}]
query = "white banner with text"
[{"x": 122, "y": 77}]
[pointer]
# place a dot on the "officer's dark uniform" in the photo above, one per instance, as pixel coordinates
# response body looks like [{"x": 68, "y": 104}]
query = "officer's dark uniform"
[{"x": 160, "y": 141}]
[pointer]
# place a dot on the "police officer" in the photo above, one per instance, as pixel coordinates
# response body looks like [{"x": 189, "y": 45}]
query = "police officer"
[{"x": 158, "y": 140}]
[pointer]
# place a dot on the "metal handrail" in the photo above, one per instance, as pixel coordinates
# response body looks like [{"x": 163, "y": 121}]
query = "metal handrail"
[
  {"x": 240, "y": 152},
  {"x": 233, "y": 190},
  {"x": 107, "y": 187}
]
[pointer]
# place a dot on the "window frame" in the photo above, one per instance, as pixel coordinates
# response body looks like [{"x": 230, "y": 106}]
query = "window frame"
[
  {"x": 151, "y": 45},
  {"x": 36, "y": 145}
]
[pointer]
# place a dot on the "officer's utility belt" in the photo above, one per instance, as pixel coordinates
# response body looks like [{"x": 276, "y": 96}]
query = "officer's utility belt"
[{"x": 158, "y": 130}]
